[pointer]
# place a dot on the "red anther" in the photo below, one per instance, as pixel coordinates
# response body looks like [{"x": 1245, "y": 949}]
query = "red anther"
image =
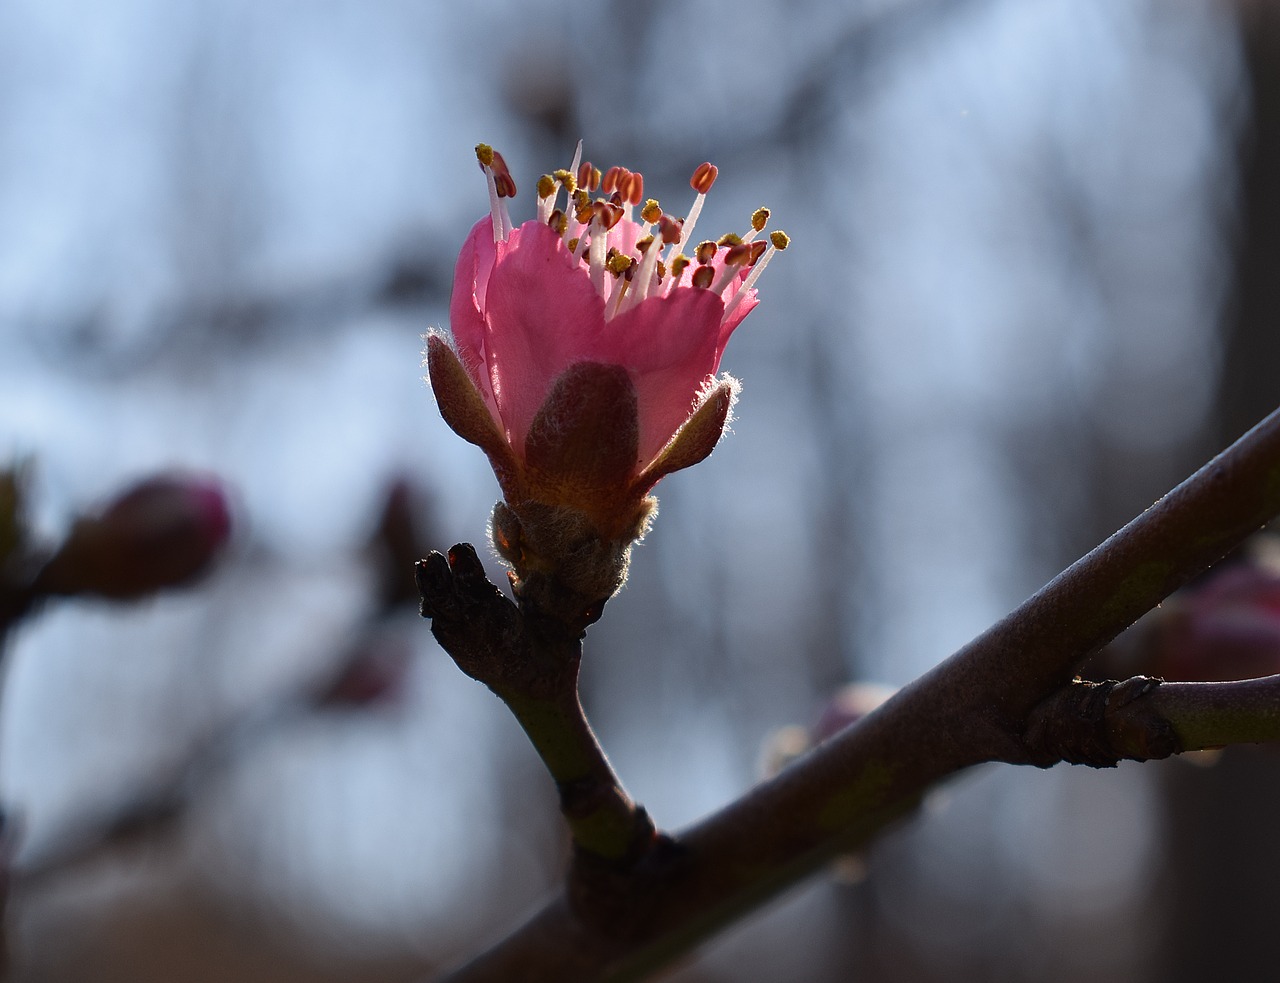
[
  {"x": 705, "y": 252},
  {"x": 606, "y": 213},
  {"x": 502, "y": 177},
  {"x": 633, "y": 189},
  {"x": 704, "y": 177},
  {"x": 703, "y": 276},
  {"x": 588, "y": 176},
  {"x": 670, "y": 228},
  {"x": 757, "y": 250},
  {"x": 617, "y": 198},
  {"x": 609, "y": 183}
]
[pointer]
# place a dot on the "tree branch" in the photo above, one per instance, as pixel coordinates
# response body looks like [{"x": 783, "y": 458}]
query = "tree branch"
[
  {"x": 531, "y": 664},
  {"x": 994, "y": 700}
]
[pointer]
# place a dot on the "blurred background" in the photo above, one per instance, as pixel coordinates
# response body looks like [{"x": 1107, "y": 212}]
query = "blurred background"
[{"x": 1032, "y": 286}]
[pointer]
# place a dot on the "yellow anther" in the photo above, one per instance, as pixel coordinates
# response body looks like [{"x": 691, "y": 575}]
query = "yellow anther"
[
  {"x": 679, "y": 263},
  {"x": 729, "y": 239},
  {"x": 779, "y": 239},
  {"x": 566, "y": 179},
  {"x": 651, "y": 212},
  {"x": 759, "y": 219},
  {"x": 705, "y": 252},
  {"x": 546, "y": 186},
  {"x": 484, "y": 154}
]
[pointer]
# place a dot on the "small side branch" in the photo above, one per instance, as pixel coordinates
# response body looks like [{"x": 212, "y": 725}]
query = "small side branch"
[{"x": 531, "y": 664}]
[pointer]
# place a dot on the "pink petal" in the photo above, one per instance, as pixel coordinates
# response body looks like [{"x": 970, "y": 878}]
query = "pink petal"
[
  {"x": 466, "y": 303},
  {"x": 671, "y": 346},
  {"x": 542, "y": 315}
]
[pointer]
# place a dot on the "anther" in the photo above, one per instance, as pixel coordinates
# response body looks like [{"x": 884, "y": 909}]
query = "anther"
[
  {"x": 706, "y": 252},
  {"x": 651, "y": 212},
  {"x": 632, "y": 187},
  {"x": 780, "y": 240},
  {"x": 546, "y": 186},
  {"x": 704, "y": 177},
  {"x": 759, "y": 219},
  {"x": 703, "y": 276},
  {"x": 618, "y": 264},
  {"x": 670, "y": 228},
  {"x": 573, "y": 244},
  {"x": 484, "y": 154},
  {"x": 729, "y": 239},
  {"x": 566, "y": 179},
  {"x": 609, "y": 183},
  {"x": 757, "y": 250},
  {"x": 588, "y": 176},
  {"x": 678, "y": 264},
  {"x": 643, "y": 243},
  {"x": 502, "y": 176},
  {"x": 559, "y": 221}
]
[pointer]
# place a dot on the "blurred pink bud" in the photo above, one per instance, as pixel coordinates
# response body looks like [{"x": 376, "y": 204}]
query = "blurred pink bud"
[
  {"x": 375, "y": 674},
  {"x": 1226, "y": 628},
  {"x": 163, "y": 532},
  {"x": 849, "y": 705}
]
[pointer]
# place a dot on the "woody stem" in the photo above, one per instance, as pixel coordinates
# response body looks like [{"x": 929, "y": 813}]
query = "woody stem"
[{"x": 531, "y": 664}]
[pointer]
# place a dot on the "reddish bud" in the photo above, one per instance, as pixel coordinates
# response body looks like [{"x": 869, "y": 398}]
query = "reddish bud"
[{"x": 162, "y": 532}]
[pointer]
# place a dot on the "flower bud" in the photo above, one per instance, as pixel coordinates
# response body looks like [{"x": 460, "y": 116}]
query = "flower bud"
[{"x": 163, "y": 532}]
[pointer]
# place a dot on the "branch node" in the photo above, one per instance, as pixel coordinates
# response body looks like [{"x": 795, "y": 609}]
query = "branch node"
[{"x": 1099, "y": 724}]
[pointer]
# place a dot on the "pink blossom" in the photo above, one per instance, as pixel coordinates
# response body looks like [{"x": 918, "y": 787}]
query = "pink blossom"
[{"x": 586, "y": 346}]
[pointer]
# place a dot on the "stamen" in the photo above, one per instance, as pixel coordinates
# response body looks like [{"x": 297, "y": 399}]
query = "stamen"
[
  {"x": 670, "y": 229},
  {"x": 597, "y": 250},
  {"x": 547, "y": 194},
  {"x": 703, "y": 276},
  {"x": 703, "y": 178},
  {"x": 588, "y": 176},
  {"x": 706, "y": 252},
  {"x": 644, "y": 278},
  {"x": 651, "y": 212},
  {"x": 501, "y": 219},
  {"x": 735, "y": 259},
  {"x": 577, "y": 159},
  {"x": 778, "y": 241}
]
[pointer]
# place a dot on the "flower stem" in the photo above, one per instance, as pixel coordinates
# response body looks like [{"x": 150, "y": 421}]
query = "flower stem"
[{"x": 531, "y": 664}]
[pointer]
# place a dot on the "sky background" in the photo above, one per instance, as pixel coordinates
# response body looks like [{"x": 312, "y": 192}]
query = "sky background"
[{"x": 224, "y": 228}]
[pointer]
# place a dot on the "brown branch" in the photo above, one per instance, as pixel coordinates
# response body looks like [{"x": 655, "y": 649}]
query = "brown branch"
[
  {"x": 531, "y": 664},
  {"x": 994, "y": 700}
]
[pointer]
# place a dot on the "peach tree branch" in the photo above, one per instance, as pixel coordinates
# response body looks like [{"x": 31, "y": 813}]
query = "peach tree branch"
[
  {"x": 531, "y": 663},
  {"x": 1010, "y": 695}
]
